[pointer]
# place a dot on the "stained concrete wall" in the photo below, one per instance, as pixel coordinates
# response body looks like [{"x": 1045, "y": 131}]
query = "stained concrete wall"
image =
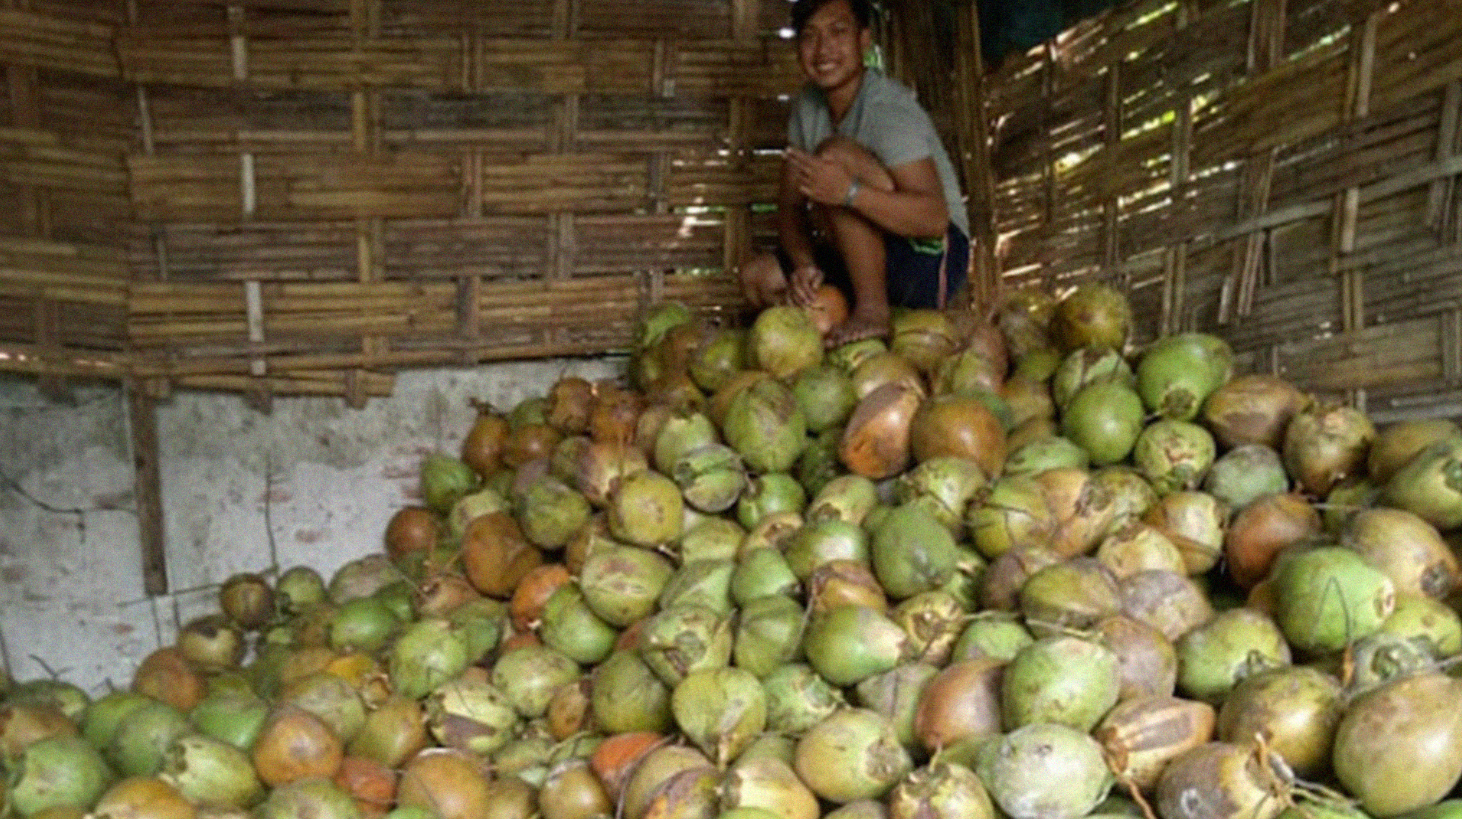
[{"x": 312, "y": 482}]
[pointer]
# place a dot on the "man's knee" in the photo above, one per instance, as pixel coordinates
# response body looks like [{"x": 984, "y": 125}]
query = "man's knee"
[
  {"x": 856, "y": 160},
  {"x": 843, "y": 149}
]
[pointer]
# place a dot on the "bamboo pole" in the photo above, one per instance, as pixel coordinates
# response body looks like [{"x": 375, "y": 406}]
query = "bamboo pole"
[{"x": 972, "y": 140}]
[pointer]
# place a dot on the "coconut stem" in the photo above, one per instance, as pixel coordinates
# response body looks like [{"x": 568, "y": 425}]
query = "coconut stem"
[
  {"x": 1313, "y": 792},
  {"x": 1134, "y": 791},
  {"x": 1282, "y": 782}
]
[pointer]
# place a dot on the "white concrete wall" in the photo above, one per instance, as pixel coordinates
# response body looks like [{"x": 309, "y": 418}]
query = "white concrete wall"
[{"x": 326, "y": 477}]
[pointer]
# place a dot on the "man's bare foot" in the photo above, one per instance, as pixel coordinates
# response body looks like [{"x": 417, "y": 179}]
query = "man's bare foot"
[{"x": 857, "y": 328}]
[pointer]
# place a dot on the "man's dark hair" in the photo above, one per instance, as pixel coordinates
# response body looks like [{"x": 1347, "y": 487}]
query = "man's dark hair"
[{"x": 802, "y": 11}]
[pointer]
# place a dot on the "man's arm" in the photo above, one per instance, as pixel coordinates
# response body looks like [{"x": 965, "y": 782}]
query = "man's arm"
[
  {"x": 909, "y": 202},
  {"x": 795, "y": 233},
  {"x": 793, "y": 229}
]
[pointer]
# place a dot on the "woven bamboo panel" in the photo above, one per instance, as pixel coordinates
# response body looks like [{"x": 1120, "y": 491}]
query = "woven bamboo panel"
[
  {"x": 1283, "y": 172},
  {"x": 305, "y": 196},
  {"x": 338, "y": 60},
  {"x": 34, "y": 39},
  {"x": 315, "y": 324},
  {"x": 61, "y": 298},
  {"x": 63, "y": 192},
  {"x": 509, "y": 248}
]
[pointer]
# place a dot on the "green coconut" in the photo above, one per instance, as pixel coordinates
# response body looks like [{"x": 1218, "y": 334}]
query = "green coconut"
[
  {"x": 798, "y": 698},
  {"x": 1430, "y": 484},
  {"x": 1044, "y": 771},
  {"x": 1105, "y": 419},
  {"x": 852, "y": 754},
  {"x": 1173, "y": 455},
  {"x": 768, "y": 632},
  {"x": 1177, "y": 373},
  {"x": 721, "y": 710},
  {"x": 1329, "y": 596},
  {"x": 850, "y": 643},
  {"x": 1060, "y": 679},
  {"x": 570, "y": 626},
  {"x": 57, "y": 772},
  {"x": 766, "y": 426},
  {"x": 1399, "y": 747},
  {"x": 784, "y": 341},
  {"x": 912, "y": 552},
  {"x": 1219, "y": 654}
]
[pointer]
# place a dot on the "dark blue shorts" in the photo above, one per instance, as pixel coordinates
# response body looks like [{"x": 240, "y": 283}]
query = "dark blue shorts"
[{"x": 916, "y": 278}]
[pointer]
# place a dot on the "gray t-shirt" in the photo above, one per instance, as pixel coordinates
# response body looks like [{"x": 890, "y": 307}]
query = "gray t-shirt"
[{"x": 887, "y": 119}]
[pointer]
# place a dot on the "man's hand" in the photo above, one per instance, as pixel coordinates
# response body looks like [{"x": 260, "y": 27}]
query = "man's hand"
[
  {"x": 821, "y": 180},
  {"x": 805, "y": 281}
]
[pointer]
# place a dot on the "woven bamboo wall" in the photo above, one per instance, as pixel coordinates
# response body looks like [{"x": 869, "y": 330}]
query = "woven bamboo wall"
[
  {"x": 303, "y": 196},
  {"x": 64, "y": 134},
  {"x": 1281, "y": 171}
]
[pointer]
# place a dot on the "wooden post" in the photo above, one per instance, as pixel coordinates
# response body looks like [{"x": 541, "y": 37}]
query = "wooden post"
[
  {"x": 147, "y": 487},
  {"x": 972, "y": 142}
]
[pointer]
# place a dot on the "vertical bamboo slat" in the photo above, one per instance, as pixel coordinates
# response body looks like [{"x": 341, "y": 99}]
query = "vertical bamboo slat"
[
  {"x": 365, "y": 25},
  {"x": 1347, "y": 202},
  {"x": 1112, "y": 124},
  {"x": 1180, "y": 151},
  {"x": 737, "y": 243},
  {"x": 1440, "y": 196}
]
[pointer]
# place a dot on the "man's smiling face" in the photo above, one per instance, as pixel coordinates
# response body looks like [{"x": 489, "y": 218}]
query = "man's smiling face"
[{"x": 830, "y": 47}]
